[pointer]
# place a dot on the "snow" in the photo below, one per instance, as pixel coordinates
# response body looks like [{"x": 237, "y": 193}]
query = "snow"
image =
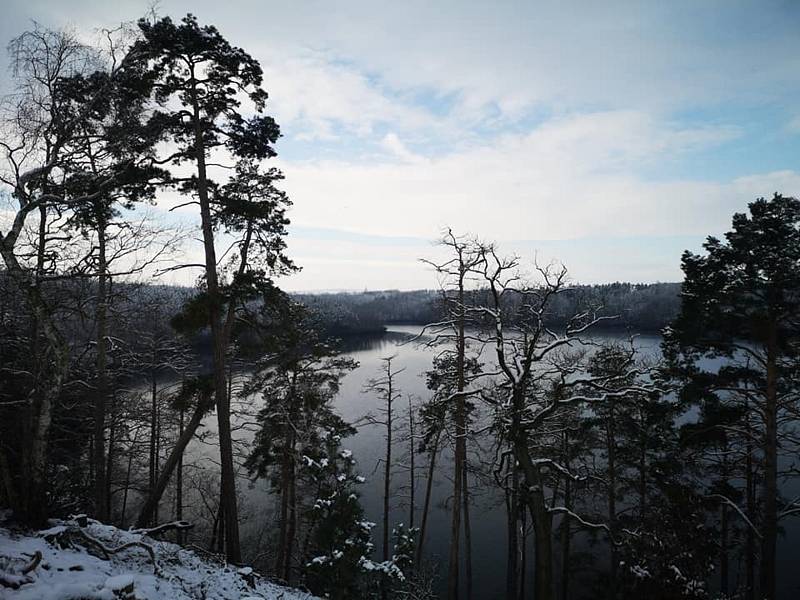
[{"x": 66, "y": 574}]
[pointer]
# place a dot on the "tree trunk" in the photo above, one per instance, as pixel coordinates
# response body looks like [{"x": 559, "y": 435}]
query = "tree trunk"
[
  {"x": 153, "y": 420},
  {"x": 292, "y": 528},
  {"x": 111, "y": 456},
  {"x": 523, "y": 553},
  {"x": 460, "y": 453},
  {"x": 150, "y": 506},
  {"x": 413, "y": 472},
  {"x": 101, "y": 393},
  {"x": 611, "y": 450},
  {"x": 387, "y": 474},
  {"x": 512, "y": 516},
  {"x": 428, "y": 489},
  {"x": 542, "y": 522},
  {"x": 767, "y": 588},
  {"x": 227, "y": 476},
  {"x": 566, "y": 533},
  {"x": 750, "y": 547},
  {"x": 32, "y": 487},
  {"x": 128, "y": 480},
  {"x": 467, "y": 535},
  {"x": 180, "y": 535},
  {"x": 283, "y": 527}
]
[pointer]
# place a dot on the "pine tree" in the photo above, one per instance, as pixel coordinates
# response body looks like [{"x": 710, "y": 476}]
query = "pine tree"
[
  {"x": 338, "y": 556},
  {"x": 200, "y": 81},
  {"x": 740, "y": 304}
]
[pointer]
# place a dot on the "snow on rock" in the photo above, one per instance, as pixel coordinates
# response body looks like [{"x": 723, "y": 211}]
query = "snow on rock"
[{"x": 72, "y": 567}]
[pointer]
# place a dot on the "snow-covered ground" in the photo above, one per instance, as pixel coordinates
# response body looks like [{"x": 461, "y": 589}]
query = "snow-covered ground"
[{"x": 79, "y": 571}]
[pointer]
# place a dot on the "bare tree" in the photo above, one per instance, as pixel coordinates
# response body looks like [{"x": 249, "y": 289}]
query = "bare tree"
[
  {"x": 385, "y": 387},
  {"x": 454, "y": 274}
]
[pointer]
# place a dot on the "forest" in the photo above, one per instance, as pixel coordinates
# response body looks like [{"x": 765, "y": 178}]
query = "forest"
[{"x": 157, "y": 409}]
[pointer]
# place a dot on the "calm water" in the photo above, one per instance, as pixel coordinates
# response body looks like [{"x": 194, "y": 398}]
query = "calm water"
[{"x": 487, "y": 513}]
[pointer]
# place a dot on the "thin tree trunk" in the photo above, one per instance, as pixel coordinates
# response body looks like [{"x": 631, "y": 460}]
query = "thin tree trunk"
[
  {"x": 566, "y": 533},
  {"x": 150, "y": 506},
  {"x": 767, "y": 587},
  {"x": 128, "y": 480},
  {"x": 179, "y": 534},
  {"x": 523, "y": 553},
  {"x": 153, "y": 420},
  {"x": 280, "y": 560},
  {"x": 512, "y": 516},
  {"x": 611, "y": 449},
  {"x": 387, "y": 474},
  {"x": 101, "y": 393},
  {"x": 750, "y": 551},
  {"x": 413, "y": 471},
  {"x": 428, "y": 489},
  {"x": 467, "y": 535},
  {"x": 111, "y": 456},
  {"x": 460, "y": 445},
  {"x": 292, "y": 529}
]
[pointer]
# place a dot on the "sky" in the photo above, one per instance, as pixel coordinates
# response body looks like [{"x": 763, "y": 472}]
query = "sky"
[{"x": 610, "y": 136}]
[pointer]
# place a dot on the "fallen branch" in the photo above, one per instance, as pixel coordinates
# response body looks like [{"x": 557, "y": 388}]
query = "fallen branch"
[
  {"x": 37, "y": 558},
  {"x": 163, "y": 528}
]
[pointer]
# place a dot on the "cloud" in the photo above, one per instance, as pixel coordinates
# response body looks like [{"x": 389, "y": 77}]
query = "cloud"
[
  {"x": 312, "y": 95},
  {"x": 570, "y": 177}
]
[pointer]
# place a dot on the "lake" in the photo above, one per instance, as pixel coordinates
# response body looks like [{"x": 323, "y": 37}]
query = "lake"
[{"x": 488, "y": 520}]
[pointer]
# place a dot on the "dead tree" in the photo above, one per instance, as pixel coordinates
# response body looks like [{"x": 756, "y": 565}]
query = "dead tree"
[
  {"x": 454, "y": 275},
  {"x": 386, "y": 389},
  {"x": 534, "y": 385}
]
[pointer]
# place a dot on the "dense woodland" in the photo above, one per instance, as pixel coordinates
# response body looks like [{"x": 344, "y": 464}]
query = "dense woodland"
[
  {"x": 637, "y": 477},
  {"x": 642, "y": 308}
]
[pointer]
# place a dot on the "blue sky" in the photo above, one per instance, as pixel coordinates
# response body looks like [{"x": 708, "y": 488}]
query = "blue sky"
[{"x": 609, "y": 135}]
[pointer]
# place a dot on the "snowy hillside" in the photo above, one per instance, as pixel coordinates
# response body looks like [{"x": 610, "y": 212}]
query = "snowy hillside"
[{"x": 100, "y": 562}]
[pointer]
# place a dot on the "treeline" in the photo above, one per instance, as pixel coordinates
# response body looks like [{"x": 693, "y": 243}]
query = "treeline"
[{"x": 638, "y": 307}]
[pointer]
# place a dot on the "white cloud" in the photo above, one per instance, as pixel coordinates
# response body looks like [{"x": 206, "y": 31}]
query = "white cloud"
[
  {"x": 570, "y": 177},
  {"x": 309, "y": 94}
]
